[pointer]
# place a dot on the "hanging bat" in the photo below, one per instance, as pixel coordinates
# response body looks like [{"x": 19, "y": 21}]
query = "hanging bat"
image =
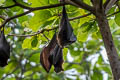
[
  {"x": 4, "y": 50},
  {"x": 44, "y": 56},
  {"x": 56, "y": 58},
  {"x": 65, "y": 35},
  {"x": 52, "y": 55}
]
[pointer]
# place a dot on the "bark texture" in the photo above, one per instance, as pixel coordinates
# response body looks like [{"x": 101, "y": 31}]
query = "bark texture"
[
  {"x": 108, "y": 42},
  {"x": 100, "y": 10}
]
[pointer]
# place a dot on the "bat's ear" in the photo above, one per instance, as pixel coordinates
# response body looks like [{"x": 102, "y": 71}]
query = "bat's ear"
[
  {"x": 44, "y": 59},
  {"x": 65, "y": 35}
]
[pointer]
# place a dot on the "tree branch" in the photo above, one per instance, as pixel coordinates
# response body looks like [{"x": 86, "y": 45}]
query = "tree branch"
[
  {"x": 80, "y": 17},
  {"x": 101, "y": 4},
  {"x": 32, "y": 9},
  {"x": 10, "y": 73},
  {"x": 83, "y": 5},
  {"x": 109, "y": 4},
  {"x": 108, "y": 42},
  {"x": 46, "y": 37},
  {"x": 8, "y": 6},
  {"x": 113, "y": 13},
  {"x": 42, "y": 31},
  {"x": 2, "y": 17},
  {"x": 105, "y": 4},
  {"x": 76, "y": 63},
  {"x": 29, "y": 35},
  {"x": 21, "y": 5}
]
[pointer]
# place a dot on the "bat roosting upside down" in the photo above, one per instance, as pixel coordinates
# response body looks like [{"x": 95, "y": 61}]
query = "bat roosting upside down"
[{"x": 53, "y": 54}]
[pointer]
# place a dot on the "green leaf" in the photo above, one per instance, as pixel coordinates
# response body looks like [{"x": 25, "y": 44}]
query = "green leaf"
[
  {"x": 39, "y": 19},
  {"x": 7, "y": 30},
  {"x": 112, "y": 10},
  {"x": 85, "y": 30},
  {"x": 82, "y": 36},
  {"x": 1, "y": 72},
  {"x": 1, "y": 2},
  {"x": 73, "y": 52},
  {"x": 35, "y": 57},
  {"x": 26, "y": 43},
  {"x": 53, "y": 1},
  {"x": 87, "y": 2},
  {"x": 9, "y": 2},
  {"x": 10, "y": 67},
  {"x": 28, "y": 73},
  {"x": 65, "y": 51},
  {"x": 34, "y": 41},
  {"x": 97, "y": 75},
  {"x": 38, "y": 3},
  {"x": 117, "y": 19},
  {"x": 92, "y": 44}
]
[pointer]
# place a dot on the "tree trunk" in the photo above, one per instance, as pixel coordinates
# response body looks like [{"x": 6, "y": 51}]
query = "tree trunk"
[
  {"x": 99, "y": 11},
  {"x": 109, "y": 44}
]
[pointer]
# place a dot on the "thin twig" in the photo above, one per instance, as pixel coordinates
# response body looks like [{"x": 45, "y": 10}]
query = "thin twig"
[
  {"x": 83, "y": 5},
  {"x": 78, "y": 63},
  {"x": 21, "y": 5},
  {"x": 2, "y": 17},
  {"x": 29, "y": 35},
  {"x": 46, "y": 37},
  {"x": 109, "y": 5},
  {"x": 9, "y": 73},
  {"x": 8, "y": 6},
  {"x": 80, "y": 17},
  {"x": 113, "y": 13}
]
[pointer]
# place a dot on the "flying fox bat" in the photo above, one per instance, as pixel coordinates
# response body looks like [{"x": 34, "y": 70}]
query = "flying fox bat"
[
  {"x": 52, "y": 55},
  {"x": 65, "y": 35},
  {"x": 4, "y": 50},
  {"x": 44, "y": 56}
]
